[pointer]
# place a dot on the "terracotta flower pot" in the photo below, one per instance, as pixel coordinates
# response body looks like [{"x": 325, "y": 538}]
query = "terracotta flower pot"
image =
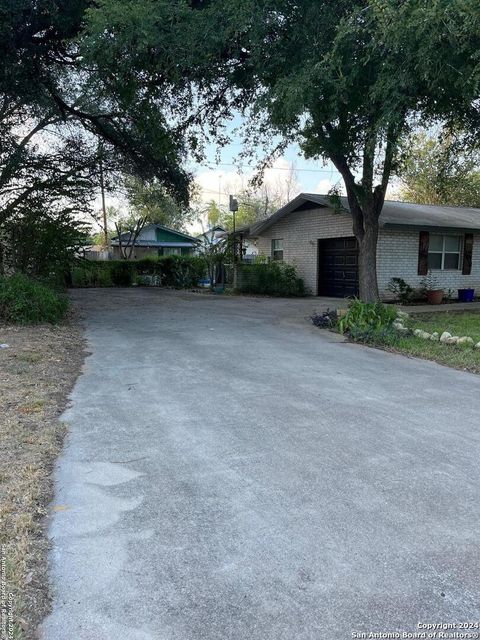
[{"x": 435, "y": 296}]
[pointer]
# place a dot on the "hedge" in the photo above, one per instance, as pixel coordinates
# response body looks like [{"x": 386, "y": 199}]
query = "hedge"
[
  {"x": 179, "y": 272},
  {"x": 272, "y": 278}
]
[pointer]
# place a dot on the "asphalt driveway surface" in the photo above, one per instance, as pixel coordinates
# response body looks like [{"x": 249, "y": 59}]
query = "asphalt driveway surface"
[{"x": 232, "y": 472}]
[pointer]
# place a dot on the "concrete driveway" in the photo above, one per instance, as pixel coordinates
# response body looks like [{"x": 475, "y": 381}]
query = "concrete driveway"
[{"x": 232, "y": 472}]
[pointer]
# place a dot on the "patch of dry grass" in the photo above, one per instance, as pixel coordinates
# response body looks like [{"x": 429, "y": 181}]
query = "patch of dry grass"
[{"x": 37, "y": 371}]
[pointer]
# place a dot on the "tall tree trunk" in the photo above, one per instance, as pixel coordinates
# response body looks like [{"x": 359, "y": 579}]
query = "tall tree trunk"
[
  {"x": 367, "y": 263},
  {"x": 365, "y": 216}
]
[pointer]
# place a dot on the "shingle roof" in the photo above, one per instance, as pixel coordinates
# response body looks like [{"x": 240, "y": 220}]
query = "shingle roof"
[{"x": 394, "y": 214}]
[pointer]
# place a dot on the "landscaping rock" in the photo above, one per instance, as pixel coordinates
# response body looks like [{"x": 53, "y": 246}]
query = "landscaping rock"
[
  {"x": 477, "y": 346},
  {"x": 400, "y": 327},
  {"x": 465, "y": 340},
  {"x": 445, "y": 336},
  {"x": 452, "y": 340},
  {"x": 422, "y": 334},
  {"x": 435, "y": 336},
  {"x": 402, "y": 315}
]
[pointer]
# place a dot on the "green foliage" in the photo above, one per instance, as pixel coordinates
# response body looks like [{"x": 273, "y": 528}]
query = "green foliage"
[
  {"x": 27, "y": 301},
  {"x": 272, "y": 278},
  {"x": 440, "y": 170},
  {"x": 41, "y": 243},
  {"x": 179, "y": 272},
  {"x": 402, "y": 291},
  {"x": 149, "y": 199},
  {"x": 367, "y": 317},
  {"x": 121, "y": 274},
  {"x": 429, "y": 283}
]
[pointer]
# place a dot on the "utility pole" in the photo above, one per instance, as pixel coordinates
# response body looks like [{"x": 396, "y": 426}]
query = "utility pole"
[
  {"x": 234, "y": 208},
  {"x": 104, "y": 208}
]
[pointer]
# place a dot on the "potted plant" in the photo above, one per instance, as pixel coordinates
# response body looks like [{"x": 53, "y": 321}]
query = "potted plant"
[{"x": 433, "y": 292}]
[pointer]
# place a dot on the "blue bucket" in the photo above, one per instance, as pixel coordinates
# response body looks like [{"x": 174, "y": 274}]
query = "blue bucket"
[{"x": 466, "y": 295}]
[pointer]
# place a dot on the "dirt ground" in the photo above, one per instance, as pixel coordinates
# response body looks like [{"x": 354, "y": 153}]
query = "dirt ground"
[{"x": 37, "y": 371}]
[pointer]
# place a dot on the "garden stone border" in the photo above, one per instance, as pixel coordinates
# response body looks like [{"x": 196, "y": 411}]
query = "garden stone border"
[{"x": 445, "y": 338}]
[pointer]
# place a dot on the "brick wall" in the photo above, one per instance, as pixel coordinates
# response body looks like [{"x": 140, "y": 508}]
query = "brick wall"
[
  {"x": 397, "y": 250},
  {"x": 397, "y": 256},
  {"x": 300, "y": 231}
]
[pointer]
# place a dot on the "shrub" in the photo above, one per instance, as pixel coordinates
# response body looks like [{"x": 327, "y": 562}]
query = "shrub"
[
  {"x": 27, "y": 301},
  {"x": 272, "y": 278},
  {"x": 402, "y": 291},
  {"x": 122, "y": 274},
  {"x": 365, "y": 316},
  {"x": 179, "y": 272}
]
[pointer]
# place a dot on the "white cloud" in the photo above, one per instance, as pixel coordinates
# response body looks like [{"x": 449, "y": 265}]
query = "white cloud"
[
  {"x": 324, "y": 186},
  {"x": 217, "y": 184}
]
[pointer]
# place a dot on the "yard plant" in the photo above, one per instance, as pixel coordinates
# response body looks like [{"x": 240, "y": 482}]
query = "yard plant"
[
  {"x": 270, "y": 278},
  {"x": 24, "y": 300},
  {"x": 365, "y": 317},
  {"x": 178, "y": 272}
]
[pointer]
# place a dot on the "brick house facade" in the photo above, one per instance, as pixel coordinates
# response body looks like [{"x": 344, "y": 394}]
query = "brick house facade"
[{"x": 304, "y": 233}]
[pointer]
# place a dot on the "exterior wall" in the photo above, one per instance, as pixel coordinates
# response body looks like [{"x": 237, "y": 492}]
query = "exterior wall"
[
  {"x": 397, "y": 250},
  {"x": 137, "y": 254},
  {"x": 162, "y": 235},
  {"x": 148, "y": 233},
  {"x": 143, "y": 252},
  {"x": 300, "y": 231},
  {"x": 397, "y": 257}
]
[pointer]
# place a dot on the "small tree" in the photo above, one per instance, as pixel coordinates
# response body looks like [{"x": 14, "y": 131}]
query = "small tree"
[
  {"x": 128, "y": 229},
  {"x": 214, "y": 250}
]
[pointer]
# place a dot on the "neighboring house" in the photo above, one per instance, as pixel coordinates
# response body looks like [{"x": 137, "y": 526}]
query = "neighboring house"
[
  {"x": 157, "y": 240},
  {"x": 246, "y": 246},
  {"x": 210, "y": 237},
  {"x": 413, "y": 239}
]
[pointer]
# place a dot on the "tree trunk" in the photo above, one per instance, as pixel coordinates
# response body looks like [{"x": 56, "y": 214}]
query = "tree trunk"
[{"x": 367, "y": 263}]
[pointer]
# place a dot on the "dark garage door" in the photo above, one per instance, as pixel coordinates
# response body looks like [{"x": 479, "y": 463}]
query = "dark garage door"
[{"x": 338, "y": 267}]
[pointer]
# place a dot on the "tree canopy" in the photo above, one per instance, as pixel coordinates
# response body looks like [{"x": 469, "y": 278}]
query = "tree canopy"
[{"x": 440, "y": 170}]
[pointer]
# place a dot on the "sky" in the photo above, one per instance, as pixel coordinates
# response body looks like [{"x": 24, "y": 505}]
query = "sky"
[{"x": 221, "y": 175}]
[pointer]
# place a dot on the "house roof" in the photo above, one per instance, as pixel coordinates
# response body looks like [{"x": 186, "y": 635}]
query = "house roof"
[
  {"x": 184, "y": 239},
  {"x": 394, "y": 214},
  {"x": 210, "y": 231}
]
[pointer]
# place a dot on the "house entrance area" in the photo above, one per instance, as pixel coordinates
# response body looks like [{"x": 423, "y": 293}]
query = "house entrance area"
[{"x": 338, "y": 267}]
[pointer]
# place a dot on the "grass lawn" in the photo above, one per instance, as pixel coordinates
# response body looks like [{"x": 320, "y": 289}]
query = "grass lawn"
[
  {"x": 458, "y": 323},
  {"x": 38, "y": 368}
]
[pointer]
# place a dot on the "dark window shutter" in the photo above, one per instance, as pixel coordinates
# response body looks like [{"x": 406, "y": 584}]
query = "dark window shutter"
[
  {"x": 467, "y": 254},
  {"x": 423, "y": 243}
]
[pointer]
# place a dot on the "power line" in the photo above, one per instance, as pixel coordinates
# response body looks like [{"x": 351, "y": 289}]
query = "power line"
[{"x": 292, "y": 169}]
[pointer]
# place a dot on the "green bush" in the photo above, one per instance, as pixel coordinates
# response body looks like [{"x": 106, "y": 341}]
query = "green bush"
[
  {"x": 272, "y": 278},
  {"x": 367, "y": 316},
  {"x": 402, "y": 291},
  {"x": 27, "y": 301},
  {"x": 122, "y": 274},
  {"x": 179, "y": 272}
]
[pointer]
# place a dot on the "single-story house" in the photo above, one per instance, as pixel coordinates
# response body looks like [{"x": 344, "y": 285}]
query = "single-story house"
[
  {"x": 157, "y": 240},
  {"x": 414, "y": 239}
]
